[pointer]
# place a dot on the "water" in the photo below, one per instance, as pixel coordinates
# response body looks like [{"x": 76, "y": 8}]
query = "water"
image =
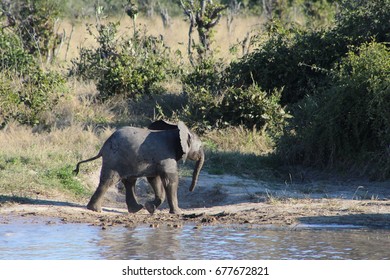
[{"x": 40, "y": 241}]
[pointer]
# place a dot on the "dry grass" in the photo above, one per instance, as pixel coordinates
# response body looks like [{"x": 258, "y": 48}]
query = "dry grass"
[
  {"x": 175, "y": 37},
  {"x": 40, "y": 164}
]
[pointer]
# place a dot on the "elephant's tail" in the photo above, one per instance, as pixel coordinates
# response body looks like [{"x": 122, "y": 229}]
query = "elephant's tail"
[{"x": 76, "y": 171}]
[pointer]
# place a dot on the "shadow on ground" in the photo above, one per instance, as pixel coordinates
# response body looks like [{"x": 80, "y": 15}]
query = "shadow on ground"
[
  {"x": 27, "y": 200},
  {"x": 373, "y": 221}
]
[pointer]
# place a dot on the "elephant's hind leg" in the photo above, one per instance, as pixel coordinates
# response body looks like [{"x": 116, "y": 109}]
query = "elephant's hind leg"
[
  {"x": 159, "y": 193},
  {"x": 132, "y": 204},
  {"x": 106, "y": 180}
]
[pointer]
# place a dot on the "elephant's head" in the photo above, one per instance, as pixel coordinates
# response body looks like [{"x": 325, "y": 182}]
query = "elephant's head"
[{"x": 190, "y": 145}]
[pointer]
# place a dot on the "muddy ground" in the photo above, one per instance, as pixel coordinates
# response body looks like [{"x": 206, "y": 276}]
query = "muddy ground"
[{"x": 230, "y": 200}]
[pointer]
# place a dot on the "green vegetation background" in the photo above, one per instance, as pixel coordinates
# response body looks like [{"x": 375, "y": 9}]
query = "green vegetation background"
[{"x": 315, "y": 87}]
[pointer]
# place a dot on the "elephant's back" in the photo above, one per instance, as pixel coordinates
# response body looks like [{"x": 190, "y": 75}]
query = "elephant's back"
[
  {"x": 145, "y": 145},
  {"x": 126, "y": 138}
]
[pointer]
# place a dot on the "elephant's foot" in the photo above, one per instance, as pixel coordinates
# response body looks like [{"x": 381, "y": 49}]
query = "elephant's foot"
[
  {"x": 150, "y": 207},
  {"x": 175, "y": 211},
  {"x": 134, "y": 209},
  {"x": 94, "y": 207}
]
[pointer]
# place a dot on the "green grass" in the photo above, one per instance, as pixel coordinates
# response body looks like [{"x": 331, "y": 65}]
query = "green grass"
[
  {"x": 39, "y": 165},
  {"x": 64, "y": 178}
]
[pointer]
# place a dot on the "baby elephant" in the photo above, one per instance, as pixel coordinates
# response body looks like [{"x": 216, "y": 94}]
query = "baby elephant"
[{"x": 152, "y": 152}]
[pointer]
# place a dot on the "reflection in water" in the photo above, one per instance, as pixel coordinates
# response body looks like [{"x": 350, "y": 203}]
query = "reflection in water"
[
  {"x": 141, "y": 243},
  {"x": 27, "y": 241},
  {"x": 79, "y": 241},
  {"x": 244, "y": 243}
]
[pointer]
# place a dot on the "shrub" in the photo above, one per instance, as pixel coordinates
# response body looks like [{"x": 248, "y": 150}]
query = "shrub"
[
  {"x": 34, "y": 22},
  {"x": 205, "y": 74},
  {"x": 130, "y": 67},
  {"x": 285, "y": 60},
  {"x": 253, "y": 107},
  {"x": 360, "y": 21},
  {"x": 349, "y": 123},
  {"x": 26, "y": 100},
  {"x": 299, "y": 60},
  {"x": 26, "y": 90},
  {"x": 13, "y": 57},
  {"x": 212, "y": 104}
]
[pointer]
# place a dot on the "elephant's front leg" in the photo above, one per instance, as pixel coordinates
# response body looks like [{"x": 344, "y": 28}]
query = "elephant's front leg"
[
  {"x": 132, "y": 204},
  {"x": 171, "y": 182},
  {"x": 159, "y": 193}
]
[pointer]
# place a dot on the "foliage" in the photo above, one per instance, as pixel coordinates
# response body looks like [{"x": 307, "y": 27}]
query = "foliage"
[
  {"x": 212, "y": 104},
  {"x": 34, "y": 22},
  {"x": 27, "y": 100},
  {"x": 13, "y": 57},
  {"x": 206, "y": 74},
  {"x": 130, "y": 67},
  {"x": 299, "y": 60},
  {"x": 253, "y": 107},
  {"x": 204, "y": 16},
  {"x": 350, "y": 122},
  {"x": 284, "y": 60},
  {"x": 319, "y": 12},
  {"x": 26, "y": 91},
  {"x": 363, "y": 20}
]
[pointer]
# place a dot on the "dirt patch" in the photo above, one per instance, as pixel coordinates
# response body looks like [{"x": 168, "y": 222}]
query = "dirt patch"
[{"x": 222, "y": 199}]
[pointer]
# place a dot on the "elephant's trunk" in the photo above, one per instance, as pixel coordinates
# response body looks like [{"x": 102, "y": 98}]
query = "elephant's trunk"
[{"x": 198, "y": 167}]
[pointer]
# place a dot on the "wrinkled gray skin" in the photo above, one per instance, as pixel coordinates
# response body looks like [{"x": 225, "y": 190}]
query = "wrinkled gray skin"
[{"x": 152, "y": 152}]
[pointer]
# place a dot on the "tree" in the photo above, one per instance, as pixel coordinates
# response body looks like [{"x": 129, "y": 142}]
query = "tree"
[
  {"x": 203, "y": 15},
  {"x": 35, "y": 23}
]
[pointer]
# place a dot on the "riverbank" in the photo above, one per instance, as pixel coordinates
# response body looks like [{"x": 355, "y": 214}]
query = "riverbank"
[{"x": 226, "y": 200}]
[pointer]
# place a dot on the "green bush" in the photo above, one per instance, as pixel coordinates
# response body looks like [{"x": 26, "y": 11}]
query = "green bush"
[
  {"x": 13, "y": 57},
  {"x": 211, "y": 104},
  {"x": 130, "y": 67},
  {"x": 252, "y": 108},
  {"x": 285, "y": 60},
  {"x": 360, "y": 21},
  {"x": 27, "y": 99},
  {"x": 26, "y": 90},
  {"x": 300, "y": 60},
  {"x": 349, "y": 123},
  {"x": 34, "y": 22},
  {"x": 202, "y": 87},
  {"x": 205, "y": 74}
]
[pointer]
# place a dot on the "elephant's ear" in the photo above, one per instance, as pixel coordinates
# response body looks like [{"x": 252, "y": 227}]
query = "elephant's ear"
[
  {"x": 162, "y": 125},
  {"x": 185, "y": 139}
]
